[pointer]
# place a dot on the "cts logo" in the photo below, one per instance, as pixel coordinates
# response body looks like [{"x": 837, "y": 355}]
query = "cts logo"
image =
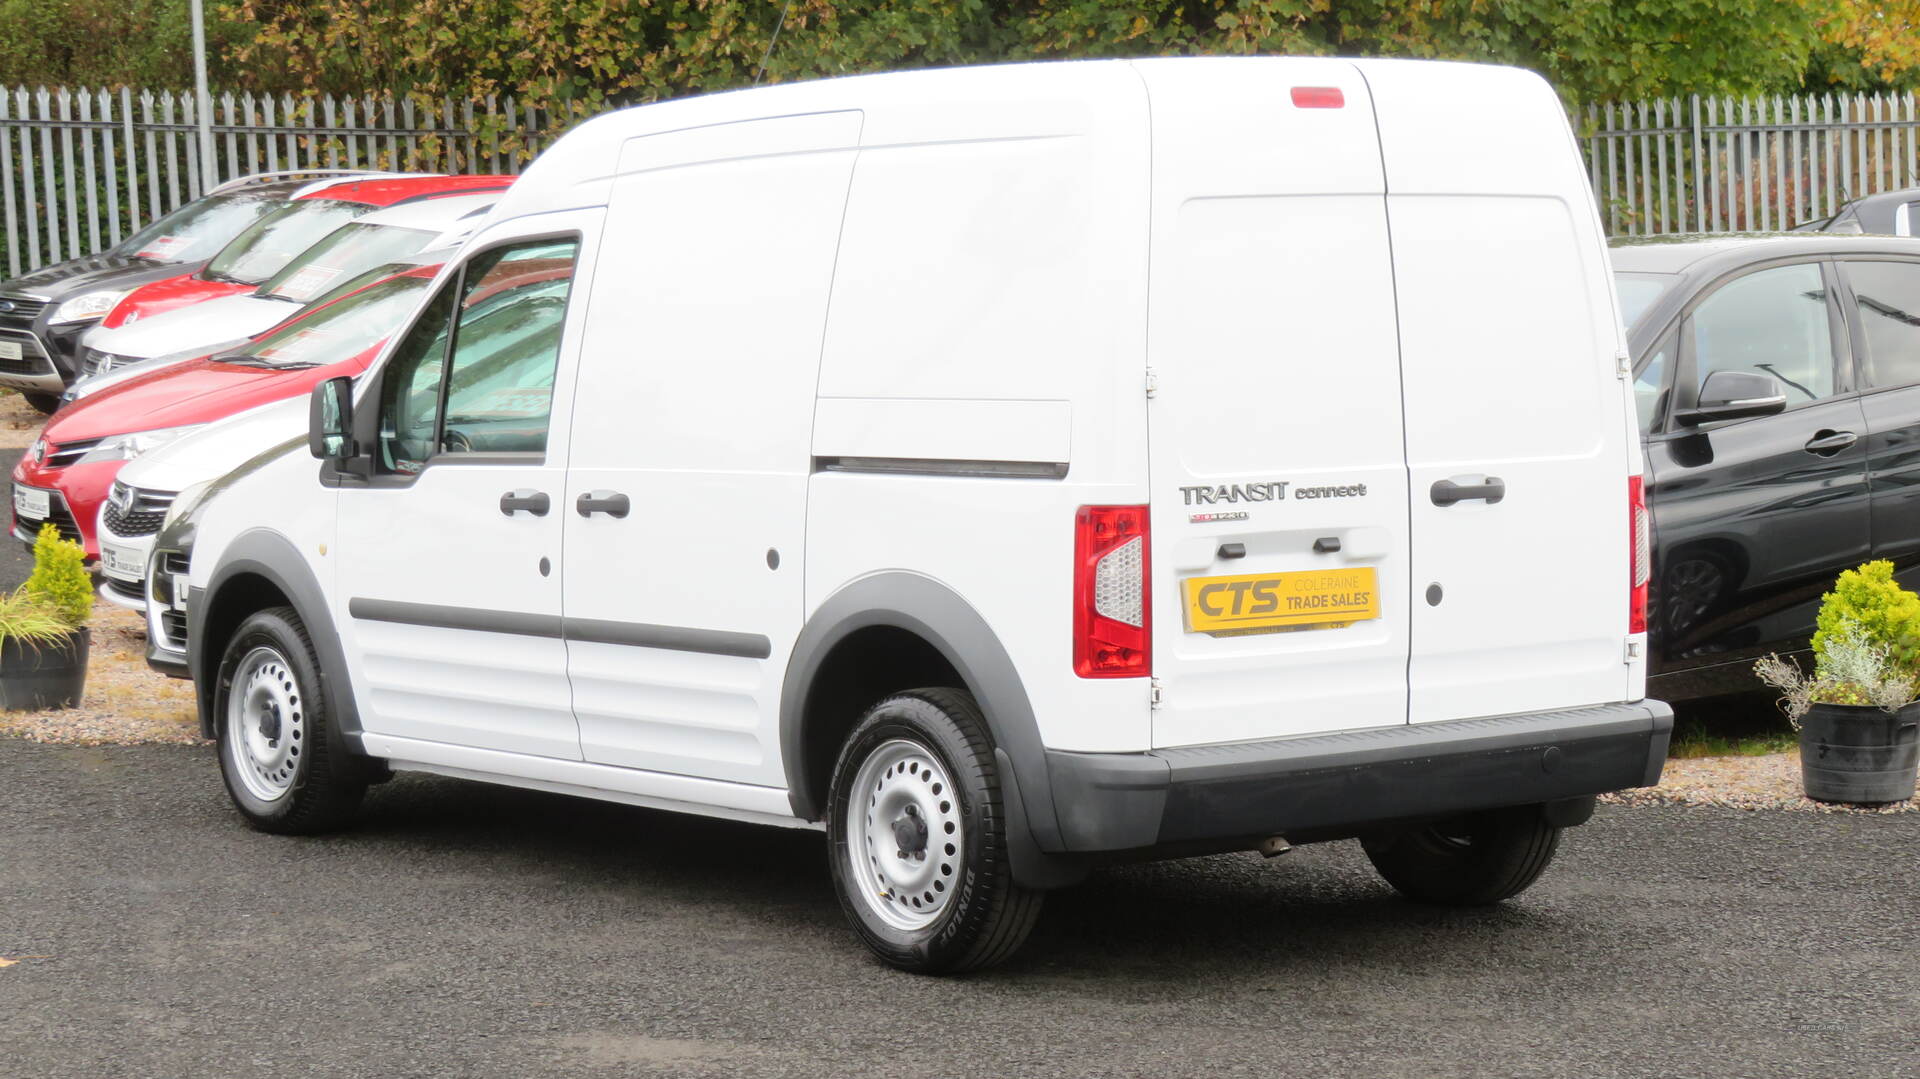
[
  {"x": 1264, "y": 601},
  {"x": 1234, "y": 599}
]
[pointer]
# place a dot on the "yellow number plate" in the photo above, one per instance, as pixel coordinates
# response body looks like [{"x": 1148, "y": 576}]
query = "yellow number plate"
[{"x": 1270, "y": 601}]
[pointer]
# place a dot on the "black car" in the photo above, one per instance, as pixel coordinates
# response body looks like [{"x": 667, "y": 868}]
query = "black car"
[
  {"x": 1889, "y": 213},
  {"x": 1778, "y": 388},
  {"x": 43, "y": 313}
]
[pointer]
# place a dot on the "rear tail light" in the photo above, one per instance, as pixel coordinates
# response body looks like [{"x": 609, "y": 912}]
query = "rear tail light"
[
  {"x": 1640, "y": 540},
  {"x": 1318, "y": 97},
  {"x": 1112, "y": 601}
]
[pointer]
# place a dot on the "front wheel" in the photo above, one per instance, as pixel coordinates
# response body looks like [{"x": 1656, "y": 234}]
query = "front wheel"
[
  {"x": 918, "y": 839},
  {"x": 43, "y": 403},
  {"x": 285, "y": 765},
  {"x": 1470, "y": 861}
]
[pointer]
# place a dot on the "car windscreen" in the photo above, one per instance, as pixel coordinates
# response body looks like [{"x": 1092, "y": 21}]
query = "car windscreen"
[
  {"x": 277, "y": 239},
  {"x": 1638, "y": 291},
  {"x": 346, "y": 251},
  {"x": 197, "y": 230},
  {"x": 338, "y": 331}
]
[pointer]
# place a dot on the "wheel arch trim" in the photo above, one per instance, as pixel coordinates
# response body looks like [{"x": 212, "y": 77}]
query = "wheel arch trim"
[
  {"x": 930, "y": 610},
  {"x": 271, "y": 556}
]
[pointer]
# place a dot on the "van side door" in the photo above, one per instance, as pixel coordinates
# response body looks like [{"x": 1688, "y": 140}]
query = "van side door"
[
  {"x": 1753, "y": 518},
  {"x": 686, "y": 496},
  {"x": 1882, "y": 302},
  {"x": 448, "y": 554}
]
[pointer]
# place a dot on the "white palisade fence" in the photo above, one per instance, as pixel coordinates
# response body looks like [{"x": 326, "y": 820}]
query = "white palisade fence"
[
  {"x": 79, "y": 169},
  {"x": 1756, "y": 164}
]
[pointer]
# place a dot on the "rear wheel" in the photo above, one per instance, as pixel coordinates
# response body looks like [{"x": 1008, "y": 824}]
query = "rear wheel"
[
  {"x": 44, "y": 403},
  {"x": 917, "y": 837},
  {"x": 285, "y": 765},
  {"x": 1470, "y": 861}
]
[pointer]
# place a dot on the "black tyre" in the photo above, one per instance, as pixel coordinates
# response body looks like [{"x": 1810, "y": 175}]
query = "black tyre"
[
  {"x": 1474, "y": 860},
  {"x": 44, "y": 403},
  {"x": 286, "y": 767},
  {"x": 917, "y": 837}
]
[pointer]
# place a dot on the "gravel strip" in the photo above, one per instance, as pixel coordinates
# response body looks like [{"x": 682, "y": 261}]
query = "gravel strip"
[
  {"x": 1769, "y": 782},
  {"x": 19, "y": 422},
  {"x": 125, "y": 703}
]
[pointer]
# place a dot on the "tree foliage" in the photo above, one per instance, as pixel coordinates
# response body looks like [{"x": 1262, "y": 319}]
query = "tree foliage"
[
  {"x": 589, "y": 51},
  {"x": 141, "y": 43}
]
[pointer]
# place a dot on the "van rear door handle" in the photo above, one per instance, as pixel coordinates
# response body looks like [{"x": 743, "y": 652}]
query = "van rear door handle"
[
  {"x": 611, "y": 503},
  {"x": 534, "y": 502},
  {"x": 1828, "y": 443},
  {"x": 1447, "y": 492}
]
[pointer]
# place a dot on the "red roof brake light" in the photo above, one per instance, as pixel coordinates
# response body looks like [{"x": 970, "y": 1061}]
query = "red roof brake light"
[{"x": 1318, "y": 97}]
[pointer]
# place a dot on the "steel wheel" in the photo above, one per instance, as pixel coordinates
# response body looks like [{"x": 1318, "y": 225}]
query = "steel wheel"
[
  {"x": 905, "y": 842},
  {"x": 266, "y": 723}
]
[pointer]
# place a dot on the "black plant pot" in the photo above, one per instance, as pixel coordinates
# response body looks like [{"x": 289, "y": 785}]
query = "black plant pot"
[
  {"x": 1859, "y": 754},
  {"x": 54, "y": 675}
]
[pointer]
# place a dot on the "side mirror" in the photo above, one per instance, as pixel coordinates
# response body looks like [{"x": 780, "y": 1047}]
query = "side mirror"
[
  {"x": 1735, "y": 395},
  {"x": 330, "y": 420}
]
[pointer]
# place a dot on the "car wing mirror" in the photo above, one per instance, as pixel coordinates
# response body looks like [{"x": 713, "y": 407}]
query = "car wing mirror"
[
  {"x": 330, "y": 420},
  {"x": 1735, "y": 395}
]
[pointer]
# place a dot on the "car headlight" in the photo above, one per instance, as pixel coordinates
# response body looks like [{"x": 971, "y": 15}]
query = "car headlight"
[
  {"x": 127, "y": 447},
  {"x": 89, "y": 305},
  {"x": 186, "y": 502}
]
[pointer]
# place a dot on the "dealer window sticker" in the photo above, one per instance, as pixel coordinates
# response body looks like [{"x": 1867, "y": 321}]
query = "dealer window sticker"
[
  {"x": 308, "y": 282},
  {"x": 162, "y": 247}
]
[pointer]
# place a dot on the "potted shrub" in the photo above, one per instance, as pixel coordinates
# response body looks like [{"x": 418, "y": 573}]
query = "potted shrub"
[
  {"x": 44, "y": 639},
  {"x": 1858, "y": 722}
]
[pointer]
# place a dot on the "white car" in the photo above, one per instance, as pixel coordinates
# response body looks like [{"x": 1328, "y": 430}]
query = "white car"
[
  {"x": 1004, "y": 470},
  {"x": 93, "y": 384},
  {"x": 145, "y": 489},
  {"x": 355, "y": 247}
]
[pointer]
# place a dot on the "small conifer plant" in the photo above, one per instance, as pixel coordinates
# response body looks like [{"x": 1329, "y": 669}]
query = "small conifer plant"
[{"x": 60, "y": 579}]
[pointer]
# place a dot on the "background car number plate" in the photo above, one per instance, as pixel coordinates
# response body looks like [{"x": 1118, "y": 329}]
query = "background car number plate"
[
  {"x": 124, "y": 564},
  {"x": 1272, "y": 601},
  {"x": 10, "y": 350},
  {"x": 28, "y": 502}
]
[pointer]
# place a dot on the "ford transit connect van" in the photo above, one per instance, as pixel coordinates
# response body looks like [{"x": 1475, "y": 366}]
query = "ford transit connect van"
[{"x": 1006, "y": 470}]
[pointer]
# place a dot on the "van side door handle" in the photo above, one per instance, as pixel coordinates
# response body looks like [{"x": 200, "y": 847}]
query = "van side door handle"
[
  {"x": 1447, "y": 492},
  {"x": 1828, "y": 443},
  {"x": 534, "y": 502},
  {"x": 611, "y": 503}
]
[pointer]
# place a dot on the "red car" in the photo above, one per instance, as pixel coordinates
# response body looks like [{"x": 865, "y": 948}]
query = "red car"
[
  {"x": 67, "y": 473},
  {"x": 280, "y": 237}
]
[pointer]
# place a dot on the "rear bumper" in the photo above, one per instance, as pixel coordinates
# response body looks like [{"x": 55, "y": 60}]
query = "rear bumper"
[{"x": 1343, "y": 784}]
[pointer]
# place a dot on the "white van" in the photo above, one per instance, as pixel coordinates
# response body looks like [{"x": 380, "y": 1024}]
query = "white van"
[{"x": 1009, "y": 470}]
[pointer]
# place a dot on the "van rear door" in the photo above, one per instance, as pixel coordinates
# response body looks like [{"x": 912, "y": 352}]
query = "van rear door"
[
  {"x": 1519, "y": 441},
  {"x": 1278, "y": 484}
]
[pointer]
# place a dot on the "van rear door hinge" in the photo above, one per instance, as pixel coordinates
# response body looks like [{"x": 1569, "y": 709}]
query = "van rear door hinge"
[
  {"x": 1153, "y": 693},
  {"x": 1622, "y": 366},
  {"x": 1153, "y": 383}
]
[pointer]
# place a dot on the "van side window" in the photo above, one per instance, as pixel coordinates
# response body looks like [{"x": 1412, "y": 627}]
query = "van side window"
[
  {"x": 410, "y": 393},
  {"x": 1888, "y": 297},
  {"x": 483, "y": 384},
  {"x": 1774, "y": 322},
  {"x": 505, "y": 348}
]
